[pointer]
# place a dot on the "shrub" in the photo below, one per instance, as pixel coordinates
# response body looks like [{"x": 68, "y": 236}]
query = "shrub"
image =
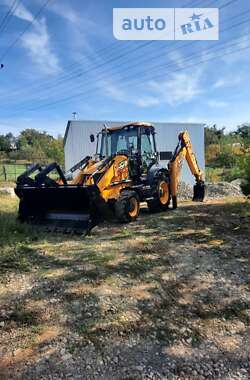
[{"x": 245, "y": 186}]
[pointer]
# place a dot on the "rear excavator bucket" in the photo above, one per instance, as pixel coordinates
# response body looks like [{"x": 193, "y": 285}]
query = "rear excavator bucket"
[
  {"x": 56, "y": 207},
  {"x": 199, "y": 192}
]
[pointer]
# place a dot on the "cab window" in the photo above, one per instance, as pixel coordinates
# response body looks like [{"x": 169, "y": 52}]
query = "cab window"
[{"x": 146, "y": 145}]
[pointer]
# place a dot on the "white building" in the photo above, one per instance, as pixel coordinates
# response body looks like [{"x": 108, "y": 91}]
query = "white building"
[{"x": 77, "y": 144}]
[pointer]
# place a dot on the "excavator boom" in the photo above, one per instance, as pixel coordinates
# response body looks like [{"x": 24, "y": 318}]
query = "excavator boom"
[{"x": 184, "y": 150}]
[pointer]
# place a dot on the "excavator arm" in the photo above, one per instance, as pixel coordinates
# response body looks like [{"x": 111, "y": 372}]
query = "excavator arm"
[{"x": 183, "y": 151}]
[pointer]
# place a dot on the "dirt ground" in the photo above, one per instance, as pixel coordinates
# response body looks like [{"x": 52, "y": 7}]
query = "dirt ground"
[{"x": 166, "y": 297}]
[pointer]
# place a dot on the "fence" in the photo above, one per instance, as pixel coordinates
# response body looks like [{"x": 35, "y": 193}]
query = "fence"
[{"x": 10, "y": 170}]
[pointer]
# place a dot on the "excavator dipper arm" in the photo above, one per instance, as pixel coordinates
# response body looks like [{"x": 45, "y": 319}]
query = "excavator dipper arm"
[{"x": 183, "y": 151}]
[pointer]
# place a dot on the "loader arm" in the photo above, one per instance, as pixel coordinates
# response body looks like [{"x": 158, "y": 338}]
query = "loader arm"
[{"x": 183, "y": 151}]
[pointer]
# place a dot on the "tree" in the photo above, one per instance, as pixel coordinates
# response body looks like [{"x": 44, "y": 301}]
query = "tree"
[
  {"x": 35, "y": 145},
  {"x": 245, "y": 186},
  {"x": 33, "y": 138},
  {"x": 54, "y": 150},
  {"x": 3, "y": 144},
  {"x": 243, "y": 131},
  {"x": 213, "y": 135},
  {"x": 7, "y": 142}
]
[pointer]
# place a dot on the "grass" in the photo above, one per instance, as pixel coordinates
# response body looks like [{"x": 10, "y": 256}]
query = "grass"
[
  {"x": 12, "y": 171},
  {"x": 15, "y": 238},
  {"x": 167, "y": 277}
]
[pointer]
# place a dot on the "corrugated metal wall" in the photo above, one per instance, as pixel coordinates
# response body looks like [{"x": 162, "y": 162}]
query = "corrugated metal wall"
[{"x": 78, "y": 145}]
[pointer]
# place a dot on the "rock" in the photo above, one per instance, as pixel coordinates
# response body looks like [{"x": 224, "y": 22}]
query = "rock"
[
  {"x": 223, "y": 189},
  {"x": 236, "y": 182},
  {"x": 214, "y": 190},
  {"x": 139, "y": 368},
  {"x": 7, "y": 191},
  {"x": 116, "y": 360},
  {"x": 2, "y": 324},
  {"x": 185, "y": 191},
  {"x": 66, "y": 357}
]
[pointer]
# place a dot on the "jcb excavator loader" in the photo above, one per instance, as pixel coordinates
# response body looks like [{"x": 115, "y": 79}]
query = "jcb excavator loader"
[{"x": 125, "y": 171}]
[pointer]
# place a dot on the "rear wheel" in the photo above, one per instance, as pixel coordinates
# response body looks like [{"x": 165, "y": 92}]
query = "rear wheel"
[
  {"x": 127, "y": 207},
  {"x": 161, "y": 197}
]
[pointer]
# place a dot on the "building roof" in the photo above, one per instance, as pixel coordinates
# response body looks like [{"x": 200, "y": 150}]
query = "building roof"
[
  {"x": 136, "y": 124},
  {"x": 122, "y": 124}
]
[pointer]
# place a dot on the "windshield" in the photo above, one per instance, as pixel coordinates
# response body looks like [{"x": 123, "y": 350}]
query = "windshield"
[
  {"x": 126, "y": 141},
  {"x": 118, "y": 141}
]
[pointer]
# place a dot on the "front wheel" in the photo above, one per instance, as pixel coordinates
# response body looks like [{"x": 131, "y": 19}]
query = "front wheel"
[
  {"x": 161, "y": 198},
  {"x": 127, "y": 206}
]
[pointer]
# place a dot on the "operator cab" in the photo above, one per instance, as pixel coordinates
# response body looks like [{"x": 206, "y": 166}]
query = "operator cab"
[{"x": 136, "y": 140}]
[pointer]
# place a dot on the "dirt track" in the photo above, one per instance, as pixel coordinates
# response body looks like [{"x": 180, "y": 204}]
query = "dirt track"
[{"x": 166, "y": 297}]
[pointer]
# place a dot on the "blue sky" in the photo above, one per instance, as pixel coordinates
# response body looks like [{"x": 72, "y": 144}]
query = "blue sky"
[{"x": 68, "y": 60}]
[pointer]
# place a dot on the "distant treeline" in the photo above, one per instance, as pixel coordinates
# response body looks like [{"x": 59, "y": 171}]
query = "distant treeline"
[{"x": 31, "y": 145}]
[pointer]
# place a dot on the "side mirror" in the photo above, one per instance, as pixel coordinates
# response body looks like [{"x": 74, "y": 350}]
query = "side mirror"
[{"x": 92, "y": 138}]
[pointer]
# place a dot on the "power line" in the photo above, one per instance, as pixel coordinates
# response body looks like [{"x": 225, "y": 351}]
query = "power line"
[
  {"x": 8, "y": 49},
  {"x": 66, "y": 99},
  {"x": 79, "y": 94},
  {"x": 75, "y": 74},
  {"x": 155, "y": 56},
  {"x": 156, "y": 67},
  {"x": 6, "y": 19}
]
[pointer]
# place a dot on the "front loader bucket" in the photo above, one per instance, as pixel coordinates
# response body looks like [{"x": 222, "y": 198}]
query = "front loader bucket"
[
  {"x": 67, "y": 209},
  {"x": 199, "y": 192}
]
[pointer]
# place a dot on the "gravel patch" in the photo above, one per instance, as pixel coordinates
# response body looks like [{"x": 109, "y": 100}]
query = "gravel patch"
[
  {"x": 213, "y": 190},
  {"x": 165, "y": 298}
]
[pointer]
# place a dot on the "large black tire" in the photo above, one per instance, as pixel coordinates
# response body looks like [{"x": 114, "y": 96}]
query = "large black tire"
[
  {"x": 23, "y": 211},
  {"x": 127, "y": 206},
  {"x": 161, "y": 194}
]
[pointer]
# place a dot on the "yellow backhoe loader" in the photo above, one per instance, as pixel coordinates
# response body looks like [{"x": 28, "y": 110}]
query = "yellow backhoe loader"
[{"x": 124, "y": 172}]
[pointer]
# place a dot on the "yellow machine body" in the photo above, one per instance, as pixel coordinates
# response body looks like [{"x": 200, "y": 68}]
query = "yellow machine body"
[
  {"x": 124, "y": 172},
  {"x": 114, "y": 177}
]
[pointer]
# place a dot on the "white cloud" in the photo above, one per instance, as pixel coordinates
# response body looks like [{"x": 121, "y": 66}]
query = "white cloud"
[
  {"x": 23, "y": 13},
  {"x": 219, "y": 83},
  {"x": 65, "y": 11},
  {"x": 177, "y": 88},
  {"x": 113, "y": 91},
  {"x": 177, "y": 58},
  {"x": 20, "y": 11},
  {"x": 238, "y": 51},
  {"x": 227, "y": 82},
  {"x": 147, "y": 101},
  {"x": 37, "y": 42},
  {"x": 180, "y": 88},
  {"x": 218, "y": 103}
]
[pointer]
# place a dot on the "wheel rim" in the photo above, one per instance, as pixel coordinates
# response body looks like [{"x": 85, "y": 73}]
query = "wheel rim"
[
  {"x": 133, "y": 207},
  {"x": 163, "y": 193}
]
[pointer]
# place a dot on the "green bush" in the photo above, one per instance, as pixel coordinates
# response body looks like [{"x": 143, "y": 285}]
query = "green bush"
[{"x": 245, "y": 186}]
